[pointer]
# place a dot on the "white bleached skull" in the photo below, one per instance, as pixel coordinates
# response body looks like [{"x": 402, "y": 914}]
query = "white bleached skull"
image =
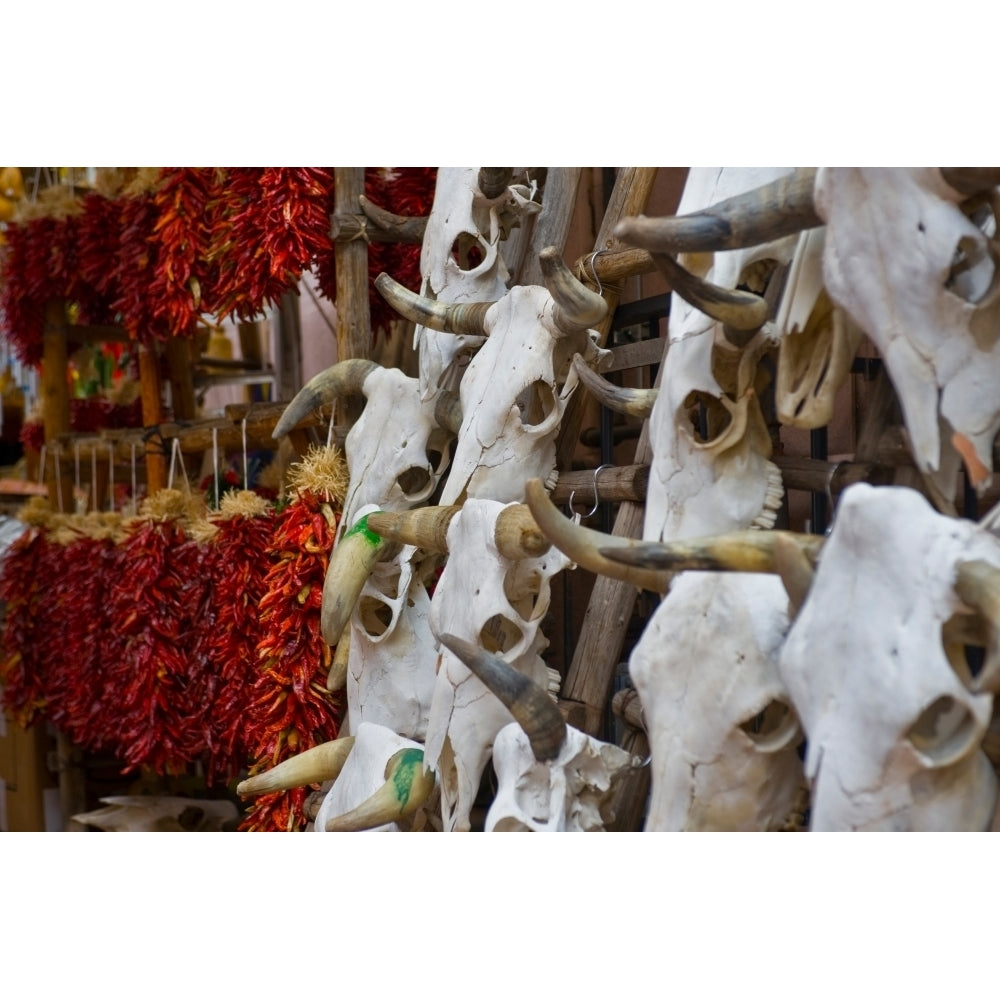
[
  {"x": 875, "y": 668},
  {"x": 396, "y": 451},
  {"x": 714, "y": 477},
  {"x": 161, "y": 813},
  {"x": 570, "y": 793},
  {"x": 919, "y": 275},
  {"x": 461, "y": 259},
  {"x": 391, "y": 658},
  {"x": 495, "y": 602},
  {"x": 722, "y": 733}
]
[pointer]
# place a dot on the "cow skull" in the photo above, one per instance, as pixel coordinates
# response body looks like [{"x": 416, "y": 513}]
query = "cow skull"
[
  {"x": 550, "y": 776},
  {"x": 875, "y": 667},
  {"x": 515, "y": 390}
]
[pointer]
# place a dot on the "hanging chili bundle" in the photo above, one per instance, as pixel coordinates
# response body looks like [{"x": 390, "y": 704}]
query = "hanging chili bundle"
[
  {"x": 290, "y": 708},
  {"x": 245, "y": 525},
  {"x": 23, "y": 284},
  {"x": 180, "y": 279},
  {"x": 156, "y": 680},
  {"x": 22, "y": 674},
  {"x": 97, "y": 257},
  {"x": 272, "y": 224}
]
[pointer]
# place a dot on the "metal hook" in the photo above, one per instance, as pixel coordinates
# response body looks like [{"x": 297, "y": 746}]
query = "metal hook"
[
  {"x": 593, "y": 271},
  {"x": 597, "y": 499}
]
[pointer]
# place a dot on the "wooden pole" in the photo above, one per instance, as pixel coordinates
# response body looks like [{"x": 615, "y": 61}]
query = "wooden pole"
[
  {"x": 55, "y": 399},
  {"x": 152, "y": 414},
  {"x": 351, "y": 261}
]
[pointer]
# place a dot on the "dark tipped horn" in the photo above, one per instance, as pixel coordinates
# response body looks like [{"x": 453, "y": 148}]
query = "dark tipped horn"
[
  {"x": 742, "y": 311},
  {"x": 536, "y": 713},
  {"x": 445, "y": 317},
  {"x": 493, "y": 181},
  {"x": 342, "y": 379},
  {"x": 766, "y": 213},
  {"x": 576, "y": 306},
  {"x": 748, "y": 551}
]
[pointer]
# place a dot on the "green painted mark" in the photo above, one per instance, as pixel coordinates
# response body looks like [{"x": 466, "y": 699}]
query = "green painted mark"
[
  {"x": 409, "y": 768},
  {"x": 362, "y": 529}
]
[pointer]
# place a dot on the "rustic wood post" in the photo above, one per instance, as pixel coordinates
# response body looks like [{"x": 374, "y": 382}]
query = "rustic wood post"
[
  {"x": 551, "y": 227},
  {"x": 152, "y": 414},
  {"x": 351, "y": 262},
  {"x": 605, "y": 623},
  {"x": 55, "y": 399}
]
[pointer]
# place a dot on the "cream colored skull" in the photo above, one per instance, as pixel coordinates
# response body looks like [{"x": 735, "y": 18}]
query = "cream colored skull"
[
  {"x": 920, "y": 277},
  {"x": 497, "y": 603},
  {"x": 570, "y": 793},
  {"x": 396, "y": 452},
  {"x": 722, "y": 734},
  {"x": 513, "y": 394},
  {"x": 893, "y": 729},
  {"x": 391, "y": 659},
  {"x": 461, "y": 259}
]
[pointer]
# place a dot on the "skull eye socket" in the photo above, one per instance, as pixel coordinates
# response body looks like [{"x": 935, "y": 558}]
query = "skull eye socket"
[
  {"x": 709, "y": 418},
  {"x": 773, "y": 728},
  {"x": 964, "y": 638},
  {"x": 499, "y": 634},
  {"x": 536, "y": 403},
  {"x": 972, "y": 270},
  {"x": 414, "y": 482},
  {"x": 467, "y": 251},
  {"x": 375, "y": 616},
  {"x": 944, "y": 732}
]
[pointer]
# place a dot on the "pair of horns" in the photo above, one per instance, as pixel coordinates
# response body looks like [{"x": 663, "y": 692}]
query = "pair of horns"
[
  {"x": 576, "y": 307},
  {"x": 407, "y": 786}
]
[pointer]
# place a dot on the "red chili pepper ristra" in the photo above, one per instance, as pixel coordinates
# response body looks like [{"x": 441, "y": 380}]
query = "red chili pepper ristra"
[{"x": 290, "y": 709}]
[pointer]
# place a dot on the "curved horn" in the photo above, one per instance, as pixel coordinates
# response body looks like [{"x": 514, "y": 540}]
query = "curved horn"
[
  {"x": 314, "y": 766},
  {"x": 634, "y": 402},
  {"x": 407, "y": 787},
  {"x": 445, "y": 317},
  {"x": 448, "y": 410},
  {"x": 493, "y": 181},
  {"x": 351, "y": 563},
  {"x": 584, "y": 546},
  {"x": 766, "y": 213},
  {"x": 343, "y": 378},
  {"x": 536, "y": 713},
  {"x": 977, "y": 583},
  {"x": 425, "y": 527},
  {"x": 743, "y": 311},
  {"x": 576, "y": 306},
  {"x": 971, "y": 180},
  {"x": 749, "y": 551}
]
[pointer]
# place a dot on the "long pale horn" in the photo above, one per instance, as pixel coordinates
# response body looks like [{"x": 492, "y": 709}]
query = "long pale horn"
[
  {"x": 584, "y": 546},
  {"x": 971, "y": 180},
  {"x": 445, "y": 317},
  {"x": 748, "y": 551},
  {"x": 342, "y": 379},
  {"x": 766, "y": 213},
  {"x": 576, "y": 306},
  {"x": 634, "y": 402},
  {"x": 531, "y": 706},
  {"x": 742, "y": 311},
  {"x": 314, "y": 766},
  {"x": 425, "y": 527},
  {"x": 516, "y": 534},
  {"x": 351, "y": 563},
  {"x": 796, "y": 570},
  {"x": 493, "y": 181},
  {"x": 977, "y": 583},
  {"x": 406, "y": 789},
  {"x": 448, "y": 410}
]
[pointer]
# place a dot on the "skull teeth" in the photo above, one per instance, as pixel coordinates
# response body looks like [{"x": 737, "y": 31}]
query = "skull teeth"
[{"x": 773, "y": 494}]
